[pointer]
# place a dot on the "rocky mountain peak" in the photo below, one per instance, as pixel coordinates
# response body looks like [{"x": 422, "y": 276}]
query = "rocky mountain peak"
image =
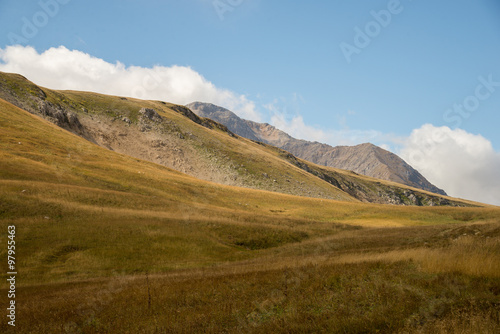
[{"x": 366, "y": 159}]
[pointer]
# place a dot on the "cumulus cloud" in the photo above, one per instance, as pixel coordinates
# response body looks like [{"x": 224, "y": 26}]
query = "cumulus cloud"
[
  {"x": 60, "y": 68},
  {"x": 464, "y": 164}
]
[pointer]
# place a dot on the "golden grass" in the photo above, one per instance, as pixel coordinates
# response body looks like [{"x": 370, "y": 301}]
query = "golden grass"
[
  {"x": 91, "y": 224},
  {"x": 333, "y": 298},
  {"x": 467, "y": 256},
  {"x": 470, "y": 319}
]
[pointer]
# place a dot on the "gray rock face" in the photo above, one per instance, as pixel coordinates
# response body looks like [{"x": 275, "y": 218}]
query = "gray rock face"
[
  {"x": 229, "y": 119},
  {"x": 150, "y": 114},
  {"x": 59, "y": 116},
  {"x": 366, "y": 159}
]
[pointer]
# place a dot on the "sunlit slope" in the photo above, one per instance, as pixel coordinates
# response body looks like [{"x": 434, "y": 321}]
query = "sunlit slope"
[
  {"x": 32, "y": 149},
  {"x": 178, "y": 139},
  {"x": 83, "y": 211},
  {"x": 175, "y": 137}
]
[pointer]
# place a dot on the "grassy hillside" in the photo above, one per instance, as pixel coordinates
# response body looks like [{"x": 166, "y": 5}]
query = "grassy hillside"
[
  {"x": 110, "y": 243},
  {"x": 177, "y": 138},
  {"x": 199, "y": 147}
]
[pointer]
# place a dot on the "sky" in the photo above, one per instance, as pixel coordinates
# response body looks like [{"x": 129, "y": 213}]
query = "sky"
[{"x": 420, "y": 78}]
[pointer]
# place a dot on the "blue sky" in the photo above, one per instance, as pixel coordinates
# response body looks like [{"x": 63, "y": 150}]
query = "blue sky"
[{"x": 285, "y": 61}]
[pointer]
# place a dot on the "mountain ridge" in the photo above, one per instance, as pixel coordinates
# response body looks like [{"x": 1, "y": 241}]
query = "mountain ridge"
[
  {"x": 366, "y": 159},
  {"x": 173, "y": 136}
]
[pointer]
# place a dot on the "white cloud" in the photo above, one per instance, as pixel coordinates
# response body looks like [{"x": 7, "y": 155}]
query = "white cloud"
[
  {"x": 60, "y": 68},
  {"x": 297, "y": 128},
  {"x": 463, "y": 164}
]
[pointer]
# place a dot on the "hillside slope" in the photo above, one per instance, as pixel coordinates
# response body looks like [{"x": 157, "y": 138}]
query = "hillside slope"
[
  {"x": 366, "y": 159},
  {"x": 169, "y": 135},
  {"x": 175, "y": 137},
  {"x": 109, "y": 243}
]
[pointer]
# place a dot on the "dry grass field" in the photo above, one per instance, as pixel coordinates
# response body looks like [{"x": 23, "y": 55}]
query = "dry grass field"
[{"x": 106, "y": 243}]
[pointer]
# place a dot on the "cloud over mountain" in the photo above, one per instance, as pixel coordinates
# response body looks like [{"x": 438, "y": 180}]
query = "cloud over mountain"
[
  {"x": 464, "y": 164},
  {"x": 60, "y": 68}
]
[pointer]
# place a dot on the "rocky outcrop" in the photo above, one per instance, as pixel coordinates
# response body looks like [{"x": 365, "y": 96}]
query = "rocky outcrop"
[
  {"x": 371, "y": 192},
  {"x": 150, "y": 114},
  {"x": 200, "y": 119},
  {"x": 59, "y": 116}
]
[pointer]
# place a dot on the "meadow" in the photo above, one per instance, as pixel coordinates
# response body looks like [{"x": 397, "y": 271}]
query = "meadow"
[{"x": 106, "y": 243}]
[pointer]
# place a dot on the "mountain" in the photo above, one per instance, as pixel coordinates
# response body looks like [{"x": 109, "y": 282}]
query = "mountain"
[
  {"x": 234, "y": 123},
  {"x": 108, "y": 243},
  {"x": 173, "y": 136},
  {"x": 366, "y": 159}
]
